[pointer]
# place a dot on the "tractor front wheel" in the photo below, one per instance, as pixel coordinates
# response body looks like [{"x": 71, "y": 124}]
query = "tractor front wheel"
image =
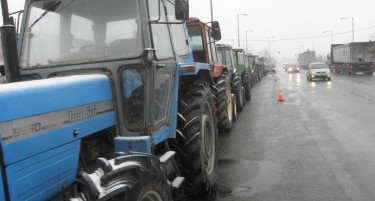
[{"x": 197, "y": 144}]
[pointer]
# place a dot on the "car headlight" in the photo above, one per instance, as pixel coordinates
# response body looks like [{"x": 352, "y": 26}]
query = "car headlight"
[
  {"x": 289, "y": 68},
  {"x": 312, "y": 76},
  {"x": 297, "y": 68},
  {"x": 329, "y": 75}
]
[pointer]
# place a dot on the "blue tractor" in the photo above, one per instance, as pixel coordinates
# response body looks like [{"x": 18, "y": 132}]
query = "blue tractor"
[{"x": 104, "y": 102}]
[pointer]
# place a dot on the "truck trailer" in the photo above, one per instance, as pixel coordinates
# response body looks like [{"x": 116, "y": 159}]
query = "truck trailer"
[
  {"x": 305, "y": 58},
  {"x": 352, "y": 58}
]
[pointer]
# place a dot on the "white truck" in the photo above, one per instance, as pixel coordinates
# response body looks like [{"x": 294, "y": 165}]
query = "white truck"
[{"x": 352, "y": 58}]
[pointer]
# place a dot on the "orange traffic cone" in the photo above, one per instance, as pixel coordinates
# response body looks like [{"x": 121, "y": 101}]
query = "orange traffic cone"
[{"x": 281, "y": 97}]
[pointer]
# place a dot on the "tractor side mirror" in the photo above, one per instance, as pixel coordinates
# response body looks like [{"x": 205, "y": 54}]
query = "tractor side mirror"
[
  {"x": 182, "y": 10},
  {"x": 216, "y": 32}
]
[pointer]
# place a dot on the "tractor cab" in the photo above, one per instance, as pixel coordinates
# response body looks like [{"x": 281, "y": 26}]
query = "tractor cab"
[
  {"x": 133, "y": 46},
  {"x": 202, "y": 40}
]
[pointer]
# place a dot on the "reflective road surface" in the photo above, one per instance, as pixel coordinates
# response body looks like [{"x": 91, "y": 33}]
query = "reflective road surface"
[{"x": 319, "y": 144}]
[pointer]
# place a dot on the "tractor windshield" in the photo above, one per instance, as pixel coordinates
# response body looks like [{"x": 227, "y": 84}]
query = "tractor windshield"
[{"x": 80, "y": 31}]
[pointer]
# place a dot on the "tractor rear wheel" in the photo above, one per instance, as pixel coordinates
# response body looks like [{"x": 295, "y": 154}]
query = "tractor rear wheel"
[
  {"x": 196, "y": 144},
  {"x": 237, "y": 90},
  {"x": 223, "y": 104}
]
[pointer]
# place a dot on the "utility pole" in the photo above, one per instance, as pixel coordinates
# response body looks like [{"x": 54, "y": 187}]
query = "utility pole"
[{"x": 269, "y": 45}]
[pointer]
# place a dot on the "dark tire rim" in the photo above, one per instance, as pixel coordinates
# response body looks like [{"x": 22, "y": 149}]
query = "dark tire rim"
[{"x": 229, "y": 102}]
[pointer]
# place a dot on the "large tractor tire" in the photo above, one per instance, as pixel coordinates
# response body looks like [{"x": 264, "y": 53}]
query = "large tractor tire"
[
  {"x": 247, "y": 86},
  {"x": 196, "y": 144},
  {"x": 223, "y": 100},
  {"x": 125, "y": 178},
  {"x": 237, "y": 90}
]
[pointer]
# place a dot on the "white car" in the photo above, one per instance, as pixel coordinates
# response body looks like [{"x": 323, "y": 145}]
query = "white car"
[{"x": 318, "y": 71}]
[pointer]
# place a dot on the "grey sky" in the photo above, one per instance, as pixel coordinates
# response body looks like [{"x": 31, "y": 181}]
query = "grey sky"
[
  {"x": 284, "y": 19},
  {"x": 287, "y": 19}
]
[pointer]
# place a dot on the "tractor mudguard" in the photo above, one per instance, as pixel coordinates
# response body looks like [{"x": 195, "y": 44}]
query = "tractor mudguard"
[{"x": 217, "y": 71}]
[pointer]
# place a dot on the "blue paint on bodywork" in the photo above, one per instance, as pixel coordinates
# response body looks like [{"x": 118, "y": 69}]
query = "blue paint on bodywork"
[
  {"x": 162, "y": 135},
  {"x": 22, "y": 149},
  {"x": 141, "y": 144},
  {"x": 40, "y": 165},
  {"x": 2, "y": 194},
  {"x": 24, "y": 99},
  {"x": 44, "y": 175}
]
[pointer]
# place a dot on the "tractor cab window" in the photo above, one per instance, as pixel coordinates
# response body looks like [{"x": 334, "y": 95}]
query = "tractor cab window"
[
  {"x": 178, "y": 31},
  {"x": 196, "y": 44},
  {"x": 160, "y": 35},
  {"x": 221, "y": 56},
  {"x": 240, "y": 58},
  {"x": 228, "y": 59},
  {"x": 134, "y": 98},
  {"x": 80, "y": 31},
  {"x": 211, "y": 47}
]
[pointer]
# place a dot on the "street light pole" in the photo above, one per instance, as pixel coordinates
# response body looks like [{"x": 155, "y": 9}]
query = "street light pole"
[
  {"x": 343, "y": 18},
  {"x": 247, "y": 51},
  {"x": 238, "y": 28},
  {"x": 212, "y": 12},
  {"x": 331, "y": 35},
  {"x": 353, "y": 28}
]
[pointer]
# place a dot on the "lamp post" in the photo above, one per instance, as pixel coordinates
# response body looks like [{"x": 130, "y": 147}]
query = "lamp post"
[
  {"x": 247, "y": 51},
  {"x": 331, "y": 35},
  {"x": 238, "y": 27},
  {"x": 212, "y": 12},
  {"x": 344, "y": 18}
]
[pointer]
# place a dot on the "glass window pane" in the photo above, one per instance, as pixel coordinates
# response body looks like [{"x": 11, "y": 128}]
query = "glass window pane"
[
  {"x": 160, "y": 34},
  {"x": 178, "y": 32},
  {"x": 80, "y": 31},
  {"x": 134, "y": 100}
]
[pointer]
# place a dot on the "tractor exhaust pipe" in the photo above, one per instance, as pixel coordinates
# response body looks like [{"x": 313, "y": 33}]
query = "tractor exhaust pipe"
[{"x": 9, "y": 45}]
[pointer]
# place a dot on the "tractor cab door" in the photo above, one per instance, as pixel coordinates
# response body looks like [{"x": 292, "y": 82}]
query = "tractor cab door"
[
  {"x": 169, "y": 41},
  {"x": 212, "y": 56}
]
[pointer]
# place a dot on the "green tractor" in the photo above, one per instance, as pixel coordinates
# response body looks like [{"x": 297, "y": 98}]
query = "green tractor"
[{"x": 243, "y": 70}]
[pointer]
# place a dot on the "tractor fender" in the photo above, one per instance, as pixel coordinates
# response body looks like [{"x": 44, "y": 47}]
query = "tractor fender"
[
  {"x": 218, "y": 70},
  {"x": 196, "y": 71}
]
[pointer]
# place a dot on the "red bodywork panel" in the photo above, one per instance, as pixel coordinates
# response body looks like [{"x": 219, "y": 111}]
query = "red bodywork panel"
[{"x": 217, "y": 71}]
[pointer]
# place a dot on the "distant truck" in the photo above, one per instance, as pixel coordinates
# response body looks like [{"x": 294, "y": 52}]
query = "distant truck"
[
  {"x": 305, "y": 58},
  {"x": 352, "y": 58}
]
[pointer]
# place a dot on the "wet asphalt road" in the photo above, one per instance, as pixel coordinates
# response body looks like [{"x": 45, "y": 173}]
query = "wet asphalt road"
[{"x": 319, "y": 144}]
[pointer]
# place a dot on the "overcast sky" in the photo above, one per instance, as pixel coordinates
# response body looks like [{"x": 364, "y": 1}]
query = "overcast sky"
[
  {"x": 290, "y": 19},
  {"x": 286, "y": 21}
]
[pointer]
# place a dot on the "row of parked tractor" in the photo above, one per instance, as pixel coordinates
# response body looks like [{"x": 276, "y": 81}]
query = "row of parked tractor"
[
  {"x": 234, "y": 71},
  {"x": 122, "y": 100}
]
